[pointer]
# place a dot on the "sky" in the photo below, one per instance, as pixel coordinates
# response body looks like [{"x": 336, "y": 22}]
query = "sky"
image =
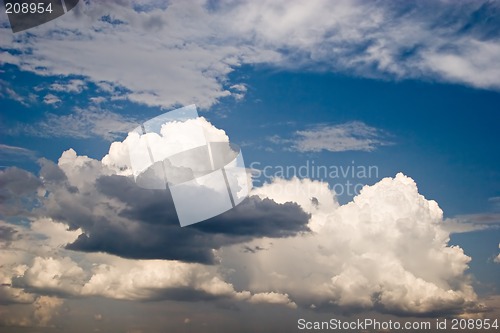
[{"x": 369, "y": 130}]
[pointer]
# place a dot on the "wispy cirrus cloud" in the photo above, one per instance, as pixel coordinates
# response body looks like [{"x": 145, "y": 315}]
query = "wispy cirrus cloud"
[
  {"x": 495, "y": 201},
  {"x": 81, "y": 123},
  {"x": 24, "y": 98},
  {"x": 10, "y": 153},
  {"x": 12, "y": 94}
]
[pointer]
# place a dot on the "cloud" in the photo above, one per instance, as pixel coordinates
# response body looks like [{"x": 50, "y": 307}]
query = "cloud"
[
  {"x": 337, "y": 138},
  {"x": 97, "y": 100},
  {"x": 351, "y": 136},
  {"x": 17, "y": 257},
  {"x": 84, "y": 203},
  {"x": 146, "y": 221},
  {"x": 272, "y": 298},
  {"x": 155, "y": 279},
  {"x": 121, "y": 218},
  {"x": 15, "y": 96},
  {"x": 81, "y": 123},
  {"x": 28, "y": 260},
  {"x": 52, "y": 275},
  {"x": 441, "y": 41},
  {"x": 239, "y": 91},
  {"x": 45, "y": 280},
  {"x": 72, "y": 86},
  {"x": 34, "y": 264},
  {"x": 7, "y": 234},
  {"x": 56, "y": 234},
  {"x": 10, "y": 295},
  {"x": 386, "y": 251},
  {"x": 495, "y": 201},
  {"x": 18, "y": 191},
  {"x": 470, "y": 64},
  {"x": 51, "y": 99},
  {"x": 198, "y": 73},
  {"x": 10, "y": 153},
  {"x": 45, "y": 309},
  {"x": 23, "y": 97},
  {"x": 472, "y": 222},
  {"x": 11, "y": 269},
  {"x": 39, "y": 314}
]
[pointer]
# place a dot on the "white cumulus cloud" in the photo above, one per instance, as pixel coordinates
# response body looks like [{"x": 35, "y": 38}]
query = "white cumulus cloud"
[{"x": 385, "y": 249}]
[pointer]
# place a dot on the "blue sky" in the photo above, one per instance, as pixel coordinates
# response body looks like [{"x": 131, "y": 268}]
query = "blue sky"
[{"x": 407, "y": 88}]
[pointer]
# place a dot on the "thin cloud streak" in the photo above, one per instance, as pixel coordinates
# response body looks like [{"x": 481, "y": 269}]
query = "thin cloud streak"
[
  {"x": 345, "y": 137},
  {"x": 81, "y": 123},
  {"x": 351, "y": 136}
]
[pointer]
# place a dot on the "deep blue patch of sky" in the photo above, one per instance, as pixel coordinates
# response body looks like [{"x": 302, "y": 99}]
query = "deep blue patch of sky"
[{"x": 444, "y": 136}]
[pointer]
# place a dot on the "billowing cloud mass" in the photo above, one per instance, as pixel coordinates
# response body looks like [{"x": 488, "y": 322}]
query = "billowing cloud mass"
[
  {"x": 119, "y": 217},
  {"x": 37, "y": 270},
  {"x": 385, "y": 251},
  {"x": 447, "y": 41}
]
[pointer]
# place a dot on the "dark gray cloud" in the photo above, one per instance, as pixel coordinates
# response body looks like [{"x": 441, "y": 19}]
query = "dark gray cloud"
[
  {"x": 120, "y": 218},
  {"x": 17, "y": 191},
  {"x": 16, "y": 181},
  {"x": 7, "y": 234},
  {"x": 50, "y": 171},
  {"x": 258, "y": 217}
]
